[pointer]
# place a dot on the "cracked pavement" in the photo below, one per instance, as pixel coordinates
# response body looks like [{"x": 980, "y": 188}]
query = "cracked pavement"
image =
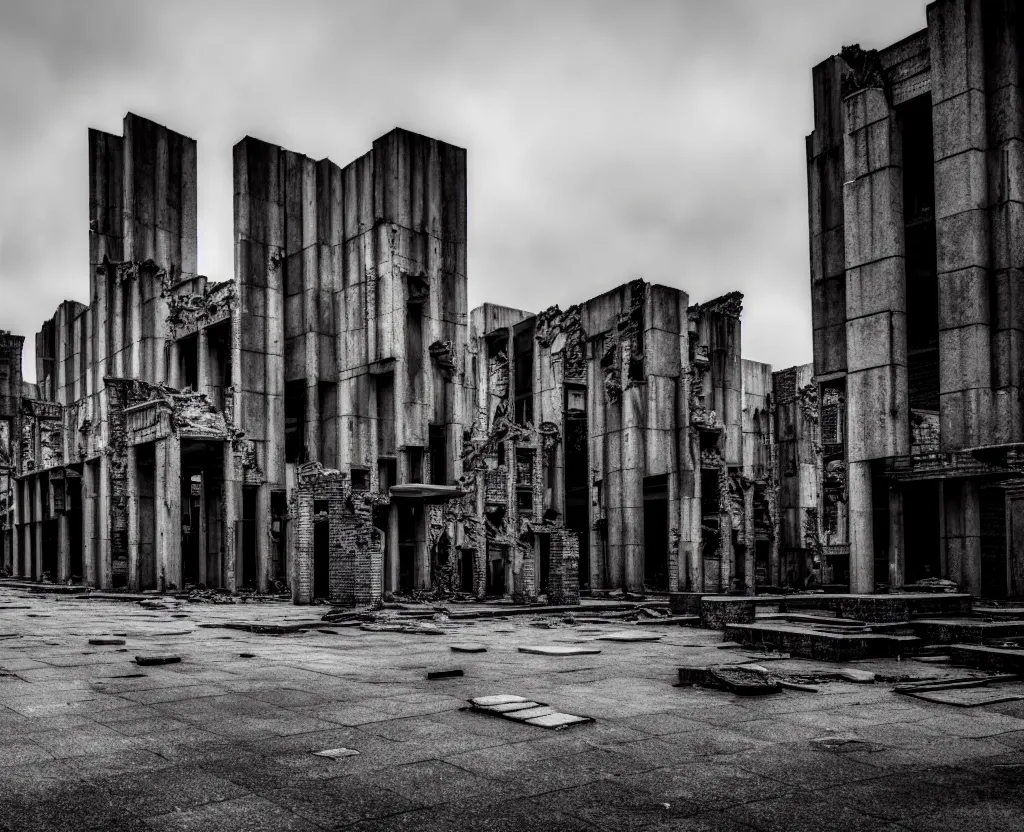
[{"x": 89, "y": 740}]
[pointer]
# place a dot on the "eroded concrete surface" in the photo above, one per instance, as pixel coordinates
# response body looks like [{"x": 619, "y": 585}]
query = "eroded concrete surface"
[{"x": 89, "y": 740}]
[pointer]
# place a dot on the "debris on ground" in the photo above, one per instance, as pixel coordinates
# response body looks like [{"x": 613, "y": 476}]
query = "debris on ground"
[
  {"x": 559, "y": 650},
  {"x": 468, "y": 648},
  {"x": 145, "y": 661},
  {"x": 743, "y": 681},
  {"x": 624, "y": 636},
  {"x": 336, "y": 753},
  {"x": 521, "y": 709},
  {"x": 444, "y": 674},
  {"x": 106, "y": 641}
]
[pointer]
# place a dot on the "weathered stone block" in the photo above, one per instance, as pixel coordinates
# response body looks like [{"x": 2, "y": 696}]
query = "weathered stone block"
[
  {"x": 718, "y": 611},
  {"x": 963, "y": 298},
  {"x": 961, "y": 183},
  {"x": 876, "y": 287},
  {"x": 876, "y": 340}
]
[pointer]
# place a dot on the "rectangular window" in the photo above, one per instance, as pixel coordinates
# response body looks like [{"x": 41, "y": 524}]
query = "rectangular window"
[
  {"x": 386, "y": 414},
  {"x": 523, "y": 362},
  {"x": 438, "y": 455}
]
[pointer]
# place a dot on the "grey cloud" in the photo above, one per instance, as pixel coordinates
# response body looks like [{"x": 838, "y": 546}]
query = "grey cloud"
[{"x": 606, "y": 139}]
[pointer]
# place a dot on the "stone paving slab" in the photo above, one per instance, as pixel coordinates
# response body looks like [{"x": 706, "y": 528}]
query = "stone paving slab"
[{"x": 90, "y": 740}]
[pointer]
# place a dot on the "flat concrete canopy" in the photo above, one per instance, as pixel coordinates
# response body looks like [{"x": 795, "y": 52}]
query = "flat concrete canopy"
[{"x": 427, "y": 493}]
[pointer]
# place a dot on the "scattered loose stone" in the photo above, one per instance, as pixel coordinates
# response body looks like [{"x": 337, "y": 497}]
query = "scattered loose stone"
[
  {"x": 151, "y": 660},
  {"x": 498, "y": 699},
  {"x": 630, "y": 637},
  {"x": 335, "y": 753},
  {"x": 468, "y": 648},
  {"x": 557, "y": 720},
  {"x": 247, "y": 655},
  {"x": 443, "y": 674},
  {"x": 106, "y": 641},
  {"x": 529, "y": 713},
  {"x": 858, "y": 676},
  {"x": 558, "y": 650}
]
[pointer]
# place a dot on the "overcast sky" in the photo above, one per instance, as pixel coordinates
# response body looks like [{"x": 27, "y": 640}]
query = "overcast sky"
[{"x": 606, "y": 140}]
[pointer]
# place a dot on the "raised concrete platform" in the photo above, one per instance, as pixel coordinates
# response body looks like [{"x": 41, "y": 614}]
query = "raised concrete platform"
[
  {"x": 893, "y": 607},
  {"x": 988, "y": 658},
  {"x": 718, "y": 611},
  {"x": 832, "y": 644},
  {"x": 964, "y": 630}
]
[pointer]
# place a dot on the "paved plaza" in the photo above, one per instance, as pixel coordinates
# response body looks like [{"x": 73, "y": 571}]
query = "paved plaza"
[{"x": 225, "y": 739}]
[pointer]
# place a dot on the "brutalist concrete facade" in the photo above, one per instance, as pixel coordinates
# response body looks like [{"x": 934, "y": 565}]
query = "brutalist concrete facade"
[
  {"x": 333, "y": 421},
  {"x": 916, "y": 212},
  {"x": 630, "y": 421}
]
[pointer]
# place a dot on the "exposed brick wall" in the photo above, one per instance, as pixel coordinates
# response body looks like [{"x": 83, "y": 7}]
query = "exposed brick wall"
[
  {"x": 355, "y": 546},
  {"x": 564, "y": 564}
]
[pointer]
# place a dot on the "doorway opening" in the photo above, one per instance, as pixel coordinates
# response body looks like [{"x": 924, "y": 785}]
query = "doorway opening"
[{"x": 656, "y": 533}]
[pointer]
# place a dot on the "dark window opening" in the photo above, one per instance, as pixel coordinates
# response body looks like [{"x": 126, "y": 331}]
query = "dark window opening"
[
  {"x": 993, "y": 543},
  {"x": 406, "y": 545},
  {"x": 188, "y": 350},
  {"x": 249, "y": 577},
  {"x": 523, "y": 362},
  {"x": 414, "y": 348},
  {"x": 360, "y": 479},
  {"x": 320, "y": 509},
  {"x": 218, "y": 338},
  {"x": 544, "y": 545},
  {"x": 387, "y": 474},
  {"x": 321, "y": 560},
  {"x": 656, "y": 532},
  {"x": 294, "y": 421},
  {"x": 438, "y": 455},
  {"x": 386, "y": 429},
  {"x": 415, "y": 464}
]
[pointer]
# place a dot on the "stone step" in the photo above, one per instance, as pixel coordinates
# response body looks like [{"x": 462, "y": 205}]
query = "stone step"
[{"x": 808, "y": 642}]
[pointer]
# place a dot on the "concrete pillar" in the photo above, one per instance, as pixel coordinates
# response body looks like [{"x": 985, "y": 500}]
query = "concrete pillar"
[
  {"x": 391, "y": 549},
  {"x": 174, "y": 366},
  {"x": 695, "y": 562},
  {"x": 117, "y": 322},
  {"x": 16, "y": 520},
  {"x": 134, "y": 575},
  {"x": 63, "y": 547},
  {"x": 89, "y": 524},
  {"x": 203, "y": 533},
  {"x": 261, "y": 528},
  {"x": 897, "y": 549},
  {"x": 861, "y": 520},
  {"x": 37, "y": 526},
  {"x": 168, "y": 512},
  {"x": 135, "y": 319},
  {"x": 749, "y": 578},
  {"x": 963, "y": 534},
  {"x": 633, "y": 468},
  {"x": 725, "y": 525},
  {"x": 421, "y": 568},
  {"x": 203, "y": 360},
  {"x": 232, "y": 512},
  {"x": 962, "y": 229}
]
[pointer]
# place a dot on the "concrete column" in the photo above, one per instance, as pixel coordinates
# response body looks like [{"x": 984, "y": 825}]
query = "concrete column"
[
  {"x": 174, "y": 366},
  {"x": 16, "y": 516},
  {"x": 203, "y": 533},
  {"x": 749, "y": 578},
  {"x": 897, "y": 551},
  {"x": 168, "y": 512},
  {"x": 861, "y": 520},
  {"x": 203, "y": 360},
  {"x": 232, "y": 511},
  {"x": 963, "y": 534},
  {"x": 633, "y": 468},
  {"x": 134, "y": 576},
  {"x": 261, "y": 529},
  {"x": 117, "y": 321},
  {"x": 725, "y": 523},
  {"x": 135, "y": 313},
  {"x": 37, "y": 526},
  {"x": 89, "y": 525},
  {"x": 695, "y": 563},
  {"x": 63, "y": 547},
  {"x": 421, "y": 568},
  {"x": 962, "y": 228},
  {"x": 391, "y": 549}
]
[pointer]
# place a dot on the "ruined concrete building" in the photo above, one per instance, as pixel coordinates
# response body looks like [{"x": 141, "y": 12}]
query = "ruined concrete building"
[
  {"x": 916, "y": 201},
  {"x": 333, "y": 422}
]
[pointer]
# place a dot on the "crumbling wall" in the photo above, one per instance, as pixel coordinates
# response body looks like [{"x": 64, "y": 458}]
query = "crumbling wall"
[{"x": 355, "y": 545}]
